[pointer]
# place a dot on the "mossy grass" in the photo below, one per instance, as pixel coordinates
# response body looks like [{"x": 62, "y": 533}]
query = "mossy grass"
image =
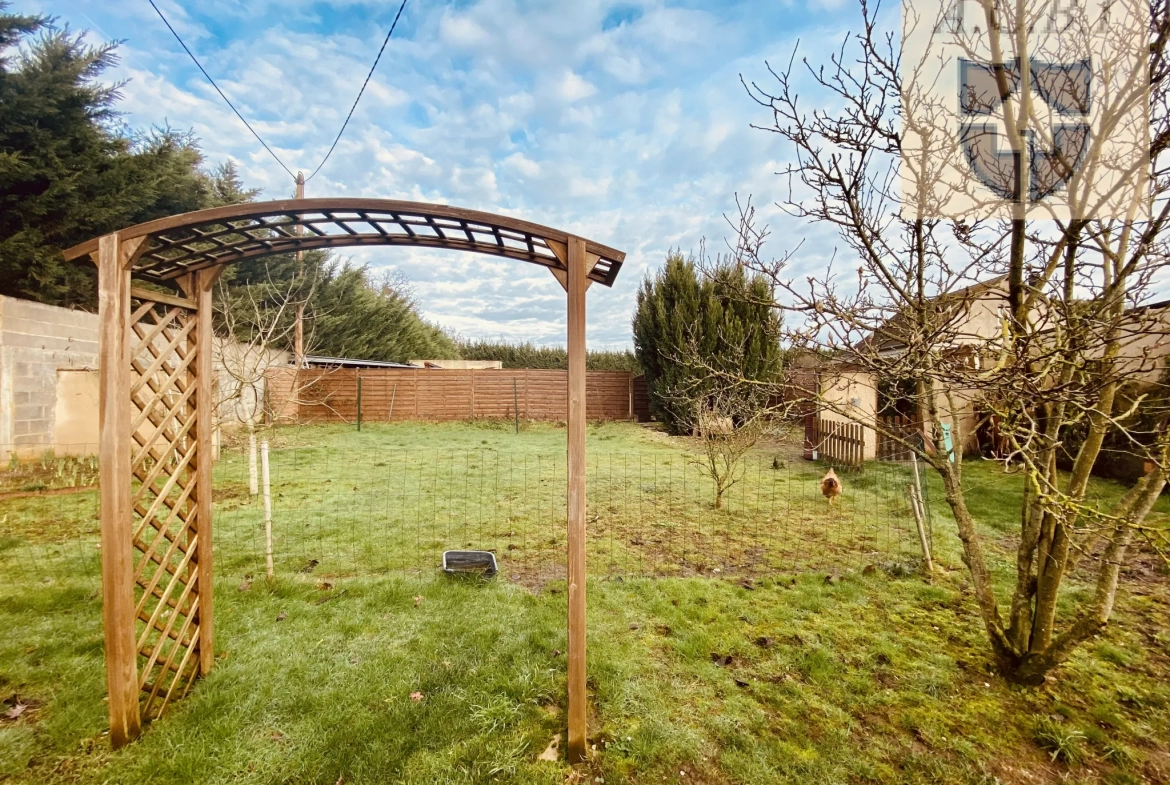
[{"x": 367, "y": 676}]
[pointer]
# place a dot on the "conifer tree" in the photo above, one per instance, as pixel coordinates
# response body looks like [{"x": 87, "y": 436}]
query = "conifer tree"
[
  {"x": 691, "y": 328},
  {"x": 68, "y": 170}
]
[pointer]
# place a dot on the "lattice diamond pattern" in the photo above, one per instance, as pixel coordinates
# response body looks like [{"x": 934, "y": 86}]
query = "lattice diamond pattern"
[{"x": 162, "y": 392}]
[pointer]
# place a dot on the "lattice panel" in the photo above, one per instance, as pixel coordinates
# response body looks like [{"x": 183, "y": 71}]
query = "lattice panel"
[{"x": 163, "y": 393}]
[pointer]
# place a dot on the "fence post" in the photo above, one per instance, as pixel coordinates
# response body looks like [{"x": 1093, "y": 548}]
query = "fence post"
[
  {"x": 631, "y": 381},
  {"x": 359, "y": 403},
  {"x": 515, "y": 405}
]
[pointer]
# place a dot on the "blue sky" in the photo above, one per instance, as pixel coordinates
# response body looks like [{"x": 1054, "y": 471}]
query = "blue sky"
[{"x": 623, "y": 122}]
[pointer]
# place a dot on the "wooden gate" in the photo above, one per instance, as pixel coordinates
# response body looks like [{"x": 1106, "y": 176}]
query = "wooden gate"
[
  {"x": 895, "y": 434},
  {"x": 841, "y": 443}
]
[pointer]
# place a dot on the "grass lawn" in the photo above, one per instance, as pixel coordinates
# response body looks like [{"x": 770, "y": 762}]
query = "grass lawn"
[{"x": 695, "y": 676}]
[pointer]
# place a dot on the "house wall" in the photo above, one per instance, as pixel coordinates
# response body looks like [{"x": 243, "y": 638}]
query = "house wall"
[
  {"x": 983, "y": 320},
  {"x": 851, "y": 396},
  {"x": 963, "y": 415},
  {"x": 1145, "y": 344}
]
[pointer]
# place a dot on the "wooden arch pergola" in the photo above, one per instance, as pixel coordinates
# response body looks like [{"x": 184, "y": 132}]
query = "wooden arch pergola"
[{"x": 156, "y": 414}]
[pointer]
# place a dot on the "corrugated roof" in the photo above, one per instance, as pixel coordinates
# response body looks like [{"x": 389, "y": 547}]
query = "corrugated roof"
[{"x": 316, "y": 360}]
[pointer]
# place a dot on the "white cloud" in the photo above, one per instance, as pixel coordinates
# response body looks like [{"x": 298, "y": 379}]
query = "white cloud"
[
  {"x": 574, "y": 88},
  {"x": 522, "y": 165},
  {"x": 462, "y": 31},
  {"x": 637, "y": 136}
]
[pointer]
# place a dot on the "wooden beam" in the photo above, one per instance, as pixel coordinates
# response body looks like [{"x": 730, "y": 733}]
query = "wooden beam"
[
  {"x": 204, "y": 281},
  {"x": 160, "y": 297},
  {"x": 576, "y": 284},
  {"x": 114, "y": 472},
  {"x": 130, "y": 249},
  {"x": 382, "y": 208},
  {"x": 560, "y": 250}
]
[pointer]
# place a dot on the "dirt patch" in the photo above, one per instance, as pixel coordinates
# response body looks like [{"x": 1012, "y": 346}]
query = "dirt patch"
[
  {"x": 47, "y": 492},
  {"x": 48, "y": 473}
]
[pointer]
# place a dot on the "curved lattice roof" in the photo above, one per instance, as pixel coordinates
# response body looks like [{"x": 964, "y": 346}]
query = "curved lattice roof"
[{"x": 185, "y": 243}]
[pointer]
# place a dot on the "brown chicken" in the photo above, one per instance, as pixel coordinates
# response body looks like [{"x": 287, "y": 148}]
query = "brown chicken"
[{"x": 830, "y": 486}]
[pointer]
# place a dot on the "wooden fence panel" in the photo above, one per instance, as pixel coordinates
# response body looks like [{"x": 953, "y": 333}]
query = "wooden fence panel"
[
  {"x": 836, "y": 442},
  {"x": 442, "y": 395},
  {"x": 893, "y": 431}
]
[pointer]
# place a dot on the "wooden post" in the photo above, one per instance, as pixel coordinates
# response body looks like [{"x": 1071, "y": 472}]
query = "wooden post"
[
  {"x": 576, "y": 498},
  {"x": 299, "y": 333},
  {"x": 631, "y": 391},
  {"x": 114, "y": 471},
  {"x": 515, "y": 405},
  {"x": 204, "y": 282},
  {"x": 359, "y": 403}
]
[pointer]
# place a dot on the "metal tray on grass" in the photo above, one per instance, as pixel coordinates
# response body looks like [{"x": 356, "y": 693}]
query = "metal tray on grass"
[{"x": 469, "y": 562}]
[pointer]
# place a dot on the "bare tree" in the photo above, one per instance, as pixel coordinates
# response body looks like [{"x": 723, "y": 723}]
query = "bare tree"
[
  {"x": 1050, "y": 365},
  {"x": 257, "y": 324},
  {"x": 727, "y": 428},
  {"x": 709, "y": 393}
]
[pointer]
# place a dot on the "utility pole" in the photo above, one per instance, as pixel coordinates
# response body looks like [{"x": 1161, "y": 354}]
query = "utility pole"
[{"x": 299, "y": 339}]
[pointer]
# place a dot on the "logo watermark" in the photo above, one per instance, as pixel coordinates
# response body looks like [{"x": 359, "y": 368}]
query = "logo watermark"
[{"x": 1025, "y": 108}]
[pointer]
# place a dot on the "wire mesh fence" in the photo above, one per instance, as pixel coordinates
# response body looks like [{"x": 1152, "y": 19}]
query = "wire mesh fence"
[
  {"x": 395, "y": 510},
  {"x": 49, "y": 526}
]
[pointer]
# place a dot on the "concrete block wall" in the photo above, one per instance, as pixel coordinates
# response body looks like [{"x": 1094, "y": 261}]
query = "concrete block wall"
[{"x": 37, "y": 342}]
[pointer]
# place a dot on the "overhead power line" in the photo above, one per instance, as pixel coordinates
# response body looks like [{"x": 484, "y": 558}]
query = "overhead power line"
[
  {"x": 227, "y": 100},
  {"x": 260, "y": 139},
  {"x": 360, "y": 92}
]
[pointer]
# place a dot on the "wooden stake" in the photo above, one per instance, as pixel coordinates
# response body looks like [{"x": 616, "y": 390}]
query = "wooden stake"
[
  {"x": 393, "y": 395},
  {"x": 114, "y": 470},
  {"x": 916, "y": 506},
  {"x": 359, "y": 403},
  {"x": 204, "y": 282},
  {"x": 267, "y": 486},
  {"x": 919, "y": 508},
  {"x": 576, "y": 284},
  {"x": 253, "y": 477}
]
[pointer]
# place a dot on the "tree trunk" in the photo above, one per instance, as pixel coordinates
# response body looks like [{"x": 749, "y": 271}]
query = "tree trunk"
[{"x": 976, "y": 563}]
